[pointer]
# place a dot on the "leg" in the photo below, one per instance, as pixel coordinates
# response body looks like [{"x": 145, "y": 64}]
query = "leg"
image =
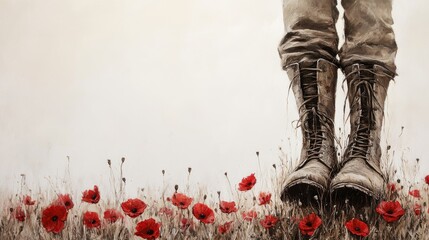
[
  {"x": 310, "y": 31},
  {"x": 367, "y": 58},
  {"x": 369, "y": 34},
  {"x": 308, "y": 53}
]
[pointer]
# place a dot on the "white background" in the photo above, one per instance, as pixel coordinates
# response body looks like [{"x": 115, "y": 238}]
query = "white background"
[{"x": 169, "y": 85}]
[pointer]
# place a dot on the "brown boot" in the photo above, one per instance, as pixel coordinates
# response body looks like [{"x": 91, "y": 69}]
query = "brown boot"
[
  {"x": 360, "y": 177},
  {"x": 314, "y": 85}
]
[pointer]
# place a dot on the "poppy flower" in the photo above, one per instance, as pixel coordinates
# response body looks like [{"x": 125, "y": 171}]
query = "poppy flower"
[
  {"x": 224, "y": 228},
  {"x": 247, "y": 183},
  {"x": 148, "y": 229},
  {"x": 390, "y": 211},
  {"x": 181, "y": 200},
  {"x": 186, "y": 223},
  {"x": 133, "y": 207},
  {"x": 417, "y": 209},
  {"x": 427, "y": 179},
  {"x": 28, "y": 201},
  {"x": 249, "y": 216},
  {"x": 91, "y": 220},
  {"x": 391, "y": 187},
  {"x": 415, "y": 193},
  {"x": 357, "y": 227},
  {"x": 227, "y": 207},
  {"x": 64, "y": 200},
  {"x": 53, "y": 218},
  {"x": 309, "y": 224},
  {"x": 269, "y": 221},
  {"x": 203, "y": 213},
  {"x": 112, "y": 215},
  {"x": 166, "y": 211},
  {"x": 19, "y": 214},
  {"x": 91, "y": 196},
  {"x": 264, "y": 198}
]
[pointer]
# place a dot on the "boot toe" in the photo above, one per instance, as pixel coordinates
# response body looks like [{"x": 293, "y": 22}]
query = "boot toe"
[
  {"x": 357, "y": 182},
  {"x": 305, "y": 183}
]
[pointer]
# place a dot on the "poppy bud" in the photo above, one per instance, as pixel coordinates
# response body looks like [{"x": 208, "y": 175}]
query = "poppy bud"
[
  {"x": 274, "y": 166},
  {"x": 189, "y": 170},
  {"x": 163, "y": 171},
  {"x": 226, "y": 174},
  {"x": 205, "y": 196},
  {"x": 257, "y": 154},
  {"x": 123, "y": 159},
  {"x": 109, "y": 162},
  {"x": 123, "y": 179},
  {"x": 176, "y": 187}
]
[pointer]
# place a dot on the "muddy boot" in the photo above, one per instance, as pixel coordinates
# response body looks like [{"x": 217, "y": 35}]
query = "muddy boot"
[
  {"x": 360, "y": 178},
  {"x": 314, "y": 85}
]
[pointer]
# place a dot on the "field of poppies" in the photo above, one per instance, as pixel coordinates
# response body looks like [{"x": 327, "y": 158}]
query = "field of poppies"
[{"x": 184, "y": 214}]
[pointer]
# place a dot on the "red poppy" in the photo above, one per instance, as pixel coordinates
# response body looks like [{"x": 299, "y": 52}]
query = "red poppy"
[
  {"x": 269, "y": 221},
  {"x": 133, "y": 207},
  {"x": 415, "y": 193},
  {"x": 390, "y": 211},
  {"x": 227, "y": 207},
  {"x": 264, "y": 198},
  {"x": 19, "y": 214},
  {"x": 65, "y": 200},
  {"x": 53, "y": 218},
  {"x": 91, "y": 220},
  {"x": 249, "y": 216},
  {"x": 91, "y": 196},
  {"x": 186, "y": 223},
  {"x": 309, "y": 224},
  {"x": 166, "y": 211},
  {"x": 224, "y": 228},
  {"x": 112, "y": 215},
  {"x": 357, "y": 227},
  {"x": 203, "y": 213},
  {"x": 247, "y": 183},
  {"x": 417, "y": 209},
  {"x": 28, "y": 201},
  {"x": 148, "y": 229},
  {"x": 427, "y": 179},
  {"x": 181, "y": 200},
  {"x": 391, "y": 187}
]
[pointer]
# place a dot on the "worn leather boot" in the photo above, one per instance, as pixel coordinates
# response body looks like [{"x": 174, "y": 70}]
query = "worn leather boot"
[
  {"x": 314, "y": 85},
  {"x": 360, "y": 178}
]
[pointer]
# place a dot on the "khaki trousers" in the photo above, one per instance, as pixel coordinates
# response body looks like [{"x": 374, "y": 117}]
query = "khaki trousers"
[{"x": 311, "y": 33}]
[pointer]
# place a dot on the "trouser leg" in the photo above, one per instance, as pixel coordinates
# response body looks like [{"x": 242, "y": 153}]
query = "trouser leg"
[
  {"x": 310, "y": 31},
  {"x": 369, "y": 37}
]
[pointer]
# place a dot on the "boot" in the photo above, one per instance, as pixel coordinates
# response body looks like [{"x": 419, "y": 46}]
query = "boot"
[
  {"x": 314, "y": 85},
  {"x": 360, "y": 177}
]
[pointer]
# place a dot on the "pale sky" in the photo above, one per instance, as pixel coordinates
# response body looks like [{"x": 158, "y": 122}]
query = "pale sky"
[{"x": 169, "y": 85}]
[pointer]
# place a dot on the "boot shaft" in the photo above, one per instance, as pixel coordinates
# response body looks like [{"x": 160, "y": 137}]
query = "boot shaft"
[
  {"x": 314, "y": 86},
  {"x": 367, "y": 92}
]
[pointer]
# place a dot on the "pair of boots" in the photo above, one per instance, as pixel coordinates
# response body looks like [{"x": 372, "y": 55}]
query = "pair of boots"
[{"x": 358, "y": 176}]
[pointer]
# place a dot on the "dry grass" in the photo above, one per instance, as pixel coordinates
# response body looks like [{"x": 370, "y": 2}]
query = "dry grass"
[{"x": 410, "y": 226}]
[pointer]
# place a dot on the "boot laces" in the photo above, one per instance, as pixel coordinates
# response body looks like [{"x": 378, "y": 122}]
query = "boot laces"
[
  {"x": 360, "y": 142},
  {"x": 311, "y": 119}
]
